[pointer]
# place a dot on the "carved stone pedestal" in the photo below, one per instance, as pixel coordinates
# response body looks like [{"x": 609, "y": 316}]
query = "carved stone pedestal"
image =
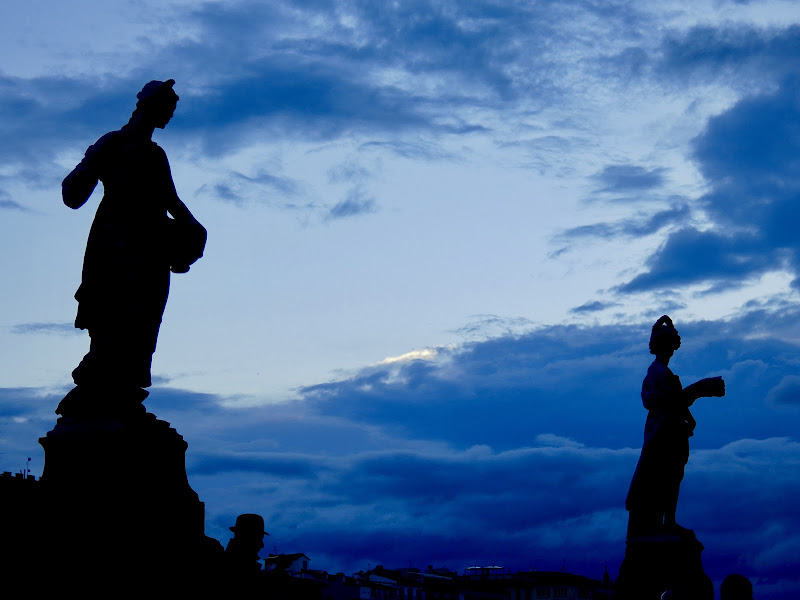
[
  {"x": 118, "y": 509},
  {"x": 654, "y": 564}
]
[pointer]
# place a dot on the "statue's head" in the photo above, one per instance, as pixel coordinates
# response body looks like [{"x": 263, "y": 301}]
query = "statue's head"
[
  {"x": 158, "y": 101},
  {"x": 664, "y": 338}
]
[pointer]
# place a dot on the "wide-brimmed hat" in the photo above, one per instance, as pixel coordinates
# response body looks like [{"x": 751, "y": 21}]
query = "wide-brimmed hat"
[{"x": 249, "y": 523}]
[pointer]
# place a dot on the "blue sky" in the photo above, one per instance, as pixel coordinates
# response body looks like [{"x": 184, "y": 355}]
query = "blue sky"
[{"x": 438, "y": 235}]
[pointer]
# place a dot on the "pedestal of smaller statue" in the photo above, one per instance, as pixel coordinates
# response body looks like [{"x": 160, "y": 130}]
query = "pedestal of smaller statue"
[
  {"x": 656, "y": 563},
  {"x": 119, "y": 510}
]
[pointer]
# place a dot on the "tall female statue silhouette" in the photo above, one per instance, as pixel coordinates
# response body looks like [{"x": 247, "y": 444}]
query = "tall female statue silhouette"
[
  {"x": 132, "y": 247},
  {"x": 653, "y": 495}
]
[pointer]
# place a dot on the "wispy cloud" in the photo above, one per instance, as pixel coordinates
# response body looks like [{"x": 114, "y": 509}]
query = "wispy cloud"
[
  {"x": 592, "y": 307},
  {"x": 632, "y": 227},
  {"x": 240, "y": 189},
  {"x": 356, "y": 203},
  {"x": 45, "y": 328},
  {"x": 6, "y": 203},
  {"x": 628, "y": 178}
]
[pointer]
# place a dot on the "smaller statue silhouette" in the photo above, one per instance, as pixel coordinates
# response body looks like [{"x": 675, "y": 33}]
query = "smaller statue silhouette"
[
  {"x": 133, "y": 245},
  {"x": 241, "y": 553},
  {"x": 653, "y": 495}
]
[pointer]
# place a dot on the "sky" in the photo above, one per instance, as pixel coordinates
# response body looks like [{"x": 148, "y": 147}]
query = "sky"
[{"x": 439, "y": 234}]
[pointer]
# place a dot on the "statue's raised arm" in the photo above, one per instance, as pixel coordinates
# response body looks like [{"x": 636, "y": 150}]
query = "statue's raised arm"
[{"x": 132, "y": 247}]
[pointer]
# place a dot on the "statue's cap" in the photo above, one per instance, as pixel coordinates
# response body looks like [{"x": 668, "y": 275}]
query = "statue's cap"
[
  {"x": 249, "y": 523},
  {"x": 155, "y": 88}
]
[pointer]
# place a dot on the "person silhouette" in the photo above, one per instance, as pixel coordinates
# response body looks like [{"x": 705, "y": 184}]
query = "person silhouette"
[
  {"x": 653, "y": 494},
  {"x": 248, "y": 539},
  {"x": 132, "y": 247}
]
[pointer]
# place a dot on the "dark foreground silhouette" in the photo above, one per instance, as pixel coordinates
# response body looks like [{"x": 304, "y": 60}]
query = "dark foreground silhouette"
[
  {"x": 115, "y": 505},
  {"x": 736, "y": 587},
  {"x": 661, "y": 556},
  {"x": 133, "y": 244},
  {"x": 653, "y": 495}
]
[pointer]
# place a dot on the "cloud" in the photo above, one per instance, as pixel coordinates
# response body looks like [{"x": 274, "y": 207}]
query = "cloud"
[
  {"x": 6, "y": 203},
  {"x": 740, "y": 54},
  {"x": 633, "y": 227},
  {"x": 356, "y": 203},
  {"x": 238, "y": 189},
  {"x": 489, "y": 325},
  {"x": 530, "y": 437},
  {"x": 348, "y": 171},
  {"x": 487, "y": 448},
  {"x": 749, "y": 155},
  {"x": 582, "y": 381},
  {"x": 690, "y": 256},
  {"x": 420, "y": 150},
  {"x": 786, "y": 393},
  {"x": 411, "y": 68},
  {"x": 628, "y": 178},
  {"x": 592, "y": 306},
  {"x": 45, "y": 328}
]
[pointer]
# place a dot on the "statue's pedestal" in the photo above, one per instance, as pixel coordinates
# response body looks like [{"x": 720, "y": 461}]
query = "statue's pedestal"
[
  {"x": 118, "y": 508},
  {"x": 656, "y": 563}
]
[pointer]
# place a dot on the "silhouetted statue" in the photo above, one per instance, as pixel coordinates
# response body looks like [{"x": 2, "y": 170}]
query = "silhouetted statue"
[
  {"x": 133, "y": 244},
  {"x": 241, "y": 553},
  {"x": 653, "y": 495}
]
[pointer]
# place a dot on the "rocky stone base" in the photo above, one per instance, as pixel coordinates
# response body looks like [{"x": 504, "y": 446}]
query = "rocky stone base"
[
  {"x": 657, "y": 563},
  {"x": 117, "y": 509}
]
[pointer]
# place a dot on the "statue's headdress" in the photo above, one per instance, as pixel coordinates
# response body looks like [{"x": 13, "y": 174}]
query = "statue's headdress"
[
  {"x": 156, "y": 90},
  {"x": 662, "y": 335}
]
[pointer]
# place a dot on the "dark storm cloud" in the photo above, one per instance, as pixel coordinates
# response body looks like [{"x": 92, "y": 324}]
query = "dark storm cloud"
[
  {"x": 750, "y": 156},
  {"x": 37, "y": 117},
  {"x": 505, "y": 452},
  {"x": 530, "y": 438},
  {"x": 284, "y": 78},
  {"x": 691, "y": 256},
  {"x": 386, "y": 496},
  {"x": 279, "y": 464},
  {"x": 580, "y": 382},
  {"x": 19, "y": 402},
  {"x": 742, "y": 54},
  {"x": 786, "y": 393},
  {"x": 747, "y": 57}
]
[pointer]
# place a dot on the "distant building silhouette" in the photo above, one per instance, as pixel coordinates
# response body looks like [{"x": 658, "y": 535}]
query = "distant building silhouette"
[{"x": 292, "y": 564}]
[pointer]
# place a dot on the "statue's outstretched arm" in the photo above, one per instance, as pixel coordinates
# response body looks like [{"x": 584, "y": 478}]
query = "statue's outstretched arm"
[{"x": 705, "y": 388}]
